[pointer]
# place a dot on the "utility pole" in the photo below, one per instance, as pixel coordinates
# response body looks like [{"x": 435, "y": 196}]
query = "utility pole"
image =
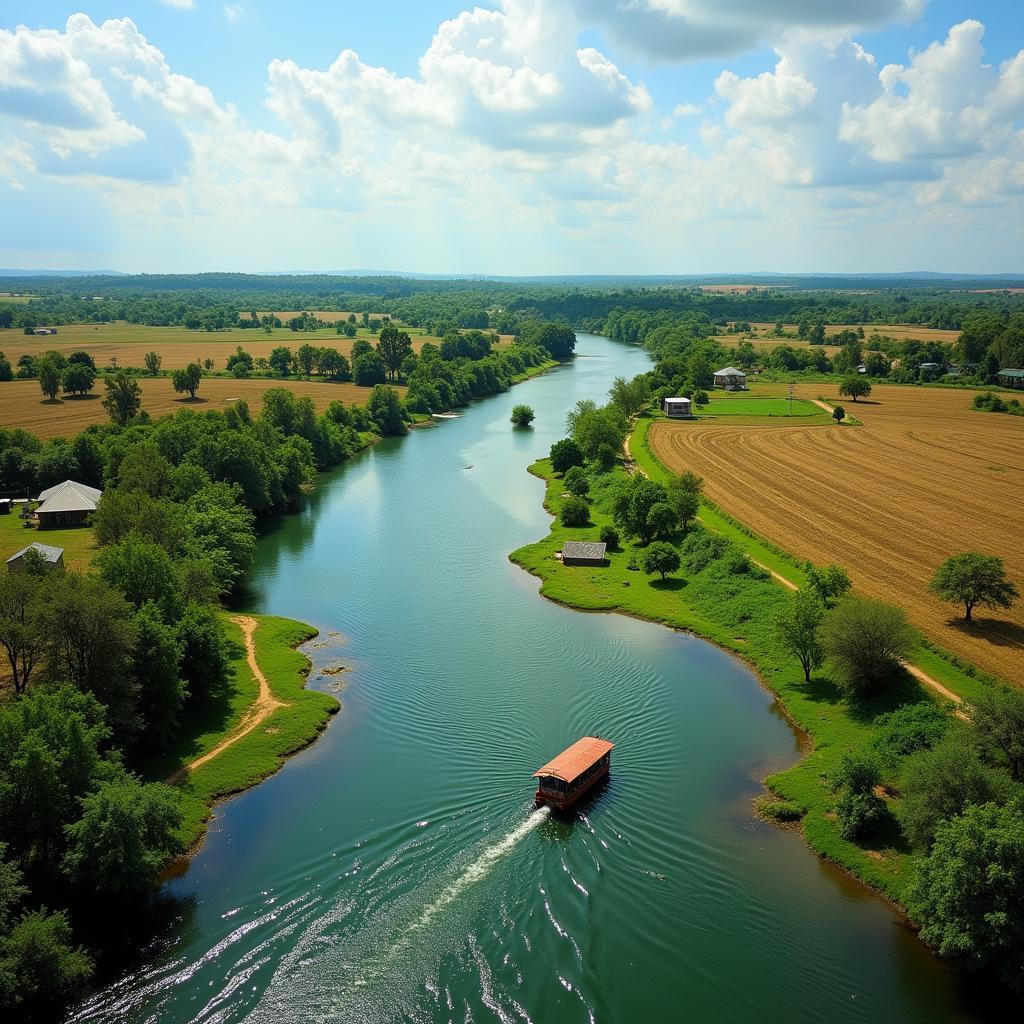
[{"x": 791, "y": 386}]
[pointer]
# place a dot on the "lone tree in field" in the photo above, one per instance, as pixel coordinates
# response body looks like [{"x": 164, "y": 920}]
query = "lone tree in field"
[
  {"x": 838, "y": 414},
  {"x": 78, "y": 379},
  {"x": 188, "y": 379},
  {"x": 522, "y": 415},
  {"x": 865, "y": 640},
  {"x": 123, "y": 398},
  {"x": 660, "y": 558},
  {"x": 153, "y": 361},
  {"x": 798, "y": 630},
  {"x": 971, "y": 579},
  {"x": 49, "y": 377},
  {"x": 854, "y": 387}
]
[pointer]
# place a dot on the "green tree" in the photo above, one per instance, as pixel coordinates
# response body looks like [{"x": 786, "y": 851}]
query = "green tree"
[
  {"x": 21, "y": 630},
  {"x": 123, "y": 399},
  {"x": 153, "y": 362},
  {"x": 48, "y": 373},
  {"x": 997, "y": 720},
  {"x": 973, "y": 579},
  {"x": 684, "y": 493},
  {"x": 838, "y": 413},
  {"x": 859, "y": 810},
  {"x": 126, "y": 833},
  {"x": 969, "y": 891},
  {"x": 600, "y": 434},
  {"x": 660, "y": 558},
  {"x": 161, "y": 690},
  {"x": 631, "y": 396},
  {"x": 522, "y": 415},
  {"x": 281, "y": 360},
  {"x": 633, "y": 504},
  {"x": 204, "y": 653},
  {"x": 368, "y": 369},
  {"x": 910, "y": 728},
  {"x": 831, "y": 583},
  {"x": 305, "y": 355},
  {"x": 854, "y": 387},
  {"x": 188, "y": 379},
  {"x": 576, "y": 482},
  {"x": 798, "y": 627},
  {"x": 558, "y": 339},
  {"x": 394, "y": 347},
  {"x": 240, "y": 363},
  {"x": 866, "y": 640},
  {"x": 143, "y": 572},
  {"x": 334, "y": 365},
  {"x": 575, "y": 511},
  {"x": 610, "y": 536},
  {"x": 385, "y": 409},
  {"x": 78, "y": 379},
  {"x": 565, "y": 454}
]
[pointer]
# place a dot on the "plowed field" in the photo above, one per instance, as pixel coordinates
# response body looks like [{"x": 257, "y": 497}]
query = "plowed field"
[{"x": 923, "y": 478}]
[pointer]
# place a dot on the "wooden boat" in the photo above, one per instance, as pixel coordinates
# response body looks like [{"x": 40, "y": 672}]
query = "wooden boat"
[{"x": 574, "y": 772}]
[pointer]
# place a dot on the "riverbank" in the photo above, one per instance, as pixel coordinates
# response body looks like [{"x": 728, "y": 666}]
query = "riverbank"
[{"x": 734, "y": 604}]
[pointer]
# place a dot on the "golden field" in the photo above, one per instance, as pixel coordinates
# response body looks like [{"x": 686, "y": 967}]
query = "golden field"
[{"x": 925, "y": 477}]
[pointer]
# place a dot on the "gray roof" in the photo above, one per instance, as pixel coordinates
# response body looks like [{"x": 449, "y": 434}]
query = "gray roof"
[
  {"x": 1011, "y": 373},
  {"x": 69, "y": 497},
  {"x": 583, "y": 549},
  {"x": 731, "y": 371},
  {"x": 49, "y": 553},
  {"x": 683, "y": 399}
]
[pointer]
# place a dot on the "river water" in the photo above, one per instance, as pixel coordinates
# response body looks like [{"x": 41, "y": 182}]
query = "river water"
[{"x": 396, "y": 870}]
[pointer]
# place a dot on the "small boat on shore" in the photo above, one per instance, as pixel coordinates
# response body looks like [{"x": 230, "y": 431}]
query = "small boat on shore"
[{"x": 573, "y": 773}]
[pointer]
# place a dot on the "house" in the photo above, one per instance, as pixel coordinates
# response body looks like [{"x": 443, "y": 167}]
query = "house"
[
  {"x": 583, "y": 552},
  {"x": 5, "y": 506},
  {"x": 1012, "y": 378},
  {"x": 67, "y": 504},
  {"x": 731, "y": 379},
  {"x": 52, "y": 557},
  {"x": 678, "y": 408},
  {"x": 45, "y": 331}
]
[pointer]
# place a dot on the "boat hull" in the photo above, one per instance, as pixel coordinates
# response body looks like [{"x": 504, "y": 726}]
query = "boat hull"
[{"x": 563, "y": 801}]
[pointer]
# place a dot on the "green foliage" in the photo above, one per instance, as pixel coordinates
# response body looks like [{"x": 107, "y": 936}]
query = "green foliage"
[
  {"x": 798, "y": 630},
  {"x": 610, "y": 536},
  {"x": 565, "y": 454},
  {"x": 631, "y": 396},
  {"x": 123, "y": 398},
  {"x": 21, "y": 629},
  {"x": 973, "y": 579},
  {"x": 599, "y": 432},
  {"x": 910, "y": 728},
  {"x": 576, "y": 482},
  {"x": 187, "y": 379},
  {"x": 859, "y": 809},
  {"x": 522, "y": 415},
  {"x": 831, "y": 583},
  {"x": 660, "y": 558},
  {"x": 161, "y": 691},
  {"x": 838, "y": 413},
  {"x": 684, "y": 493},
  {"x": 865, "y": 640},
  {"x": 997, "y": 719},
  {"x": 394, "y": 347},
  {"x": 557, "y": 340},
  {"x": 779, "y": 810},
  {"x": 385, "y": 409},
  {"x": 153, "y": 361},
  {"x": 48, "y": 371},
  {"x": 144, "y": 573},
  {"x": 855, "y": 387},
  {"x": 281, "y": 360},
  {"x": 575, "y": 511},
  {"x": 204, "y": 654},
  {"x": 368, "y": 369},
  {"x": 78, "y": 379},
  {"x": 641, "y": 508}
]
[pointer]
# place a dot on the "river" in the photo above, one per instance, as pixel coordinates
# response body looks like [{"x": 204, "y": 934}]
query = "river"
[{"x": 396, "y": 870}]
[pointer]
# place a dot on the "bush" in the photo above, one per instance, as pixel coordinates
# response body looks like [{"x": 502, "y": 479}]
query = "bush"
[
  {"x": 910, "y": 728},
  {"x": 565, "y": 454},
  {"x": 575, "y": 511},
  {"x": 576, "y": 482},
  {"x": 779, "y": 810},
  {"x": 858, "y": 809},
  {"x": 610, "y": 536},
  {"x": 522, "y": 415},
  {"x": 866, "y": 640},
  {"x": 701, "y": 548},
  {"x": 660, "y": 558}
]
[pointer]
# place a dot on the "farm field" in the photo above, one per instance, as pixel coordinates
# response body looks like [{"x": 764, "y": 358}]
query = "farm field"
[
  {"x": 898, "y": 331},
  {"x": 758, "y": 407},
  {"x": 923, "y": 478},
  {"x": 22, "y": 404}
]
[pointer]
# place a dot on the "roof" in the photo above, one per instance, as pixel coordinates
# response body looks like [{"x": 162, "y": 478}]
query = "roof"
[
  {"x": 683, "y": 399},
  {"x": 575, "y": 760},
  {"x": 1011, "y": 373},
  {"x": 49, "y": 553},
  {"x": 730, "y": 371},
  {"x": 583, "y": 549},
  {"x": 69, "y": 497}
]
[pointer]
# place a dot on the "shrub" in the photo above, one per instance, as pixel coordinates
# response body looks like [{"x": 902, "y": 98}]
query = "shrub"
[
  {"x": 866, "y": 640},
  {"x": 910, "y": 728},
  {"x": 565, "y": 454},
  {"x": 575, "y": 511},
  {"x": 779, "y": 810},
  {"x": 610, "y": 536},
  {"x": 576, "y": 482},
  {"x": 522, "y": 415},
  {"x": 858, "y": 809},
  {"x": 701, "y": 548}
]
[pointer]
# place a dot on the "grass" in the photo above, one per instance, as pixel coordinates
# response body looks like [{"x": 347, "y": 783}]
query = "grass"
[
  {"x": 261, "y": 752},
  {"x": 78, "y": 542},
  {"x": 758, "y": 407}
]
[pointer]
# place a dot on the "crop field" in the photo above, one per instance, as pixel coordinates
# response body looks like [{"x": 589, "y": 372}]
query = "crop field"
[
  {"x": 898, "y": 331},
  {"x": 22, "y": 404},
  {"x": 923, "y": 478}
]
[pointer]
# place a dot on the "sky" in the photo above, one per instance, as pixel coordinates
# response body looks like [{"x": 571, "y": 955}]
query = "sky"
[{"x": 516, "y": 137}]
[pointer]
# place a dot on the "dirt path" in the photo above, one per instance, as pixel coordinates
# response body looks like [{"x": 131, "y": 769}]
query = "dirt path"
[{"x": 259, "y": 711}]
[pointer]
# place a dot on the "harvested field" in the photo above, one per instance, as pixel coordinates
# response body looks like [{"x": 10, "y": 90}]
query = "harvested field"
[
  {"x": 741, "y": 289},
  {"x": 22, "y": 405},
  {"x": 898, "y": 331},
  {"x": 923, "y": 478}
]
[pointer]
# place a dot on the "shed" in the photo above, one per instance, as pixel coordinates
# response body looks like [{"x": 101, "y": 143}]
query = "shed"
[
  {"x": 1011, "y": 378},
  {"x": 678, "y": 408},
  {"x": 5, "y": 506},
  {"x": 583, "y": 552},
  {"x": 54, "y": 557},
  {"x": 731, "y": 379},
  {"x": 67, "y": 504}
]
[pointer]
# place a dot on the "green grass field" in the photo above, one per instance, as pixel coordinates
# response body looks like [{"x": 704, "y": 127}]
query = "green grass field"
[
  {"x": 78, "y": 542},
  {"x": 754, "y": 407}
]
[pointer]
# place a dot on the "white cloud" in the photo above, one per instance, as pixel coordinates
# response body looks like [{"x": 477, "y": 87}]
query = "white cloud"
[
  {"x": 182, "y": 5},
  {"x": 234, "y": 13},
  {"x": 686, "y": 110}
]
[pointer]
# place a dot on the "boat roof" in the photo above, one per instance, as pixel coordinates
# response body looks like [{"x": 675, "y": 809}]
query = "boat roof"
[{"x": 575, "y": 760}]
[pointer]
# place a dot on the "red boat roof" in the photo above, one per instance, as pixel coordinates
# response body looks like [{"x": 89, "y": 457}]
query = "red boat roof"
[{"x": 575, "y": 760}]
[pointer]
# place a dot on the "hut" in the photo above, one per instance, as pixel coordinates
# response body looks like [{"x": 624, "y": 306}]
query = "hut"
[
  {"x": 1011, "y": 378},
  {"x": 583, "y": 552},
  {"x": 53, "y": 558},
  {"x": 678, "y": 408},
  {"x": 731, "y": 379},
  {"x": 67, "y": 504}
]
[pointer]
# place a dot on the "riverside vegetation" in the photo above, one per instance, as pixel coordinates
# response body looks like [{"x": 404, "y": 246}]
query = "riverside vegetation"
[
  {"x": 924, "y": 804},
  {"x": 121, "y": 675}
]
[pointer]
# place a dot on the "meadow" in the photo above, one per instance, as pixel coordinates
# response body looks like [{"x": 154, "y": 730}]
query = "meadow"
[
  {"x": 78, "y": 542},
  {"x": 749, "y": 406},
  {"x": 923, "y": 478}
]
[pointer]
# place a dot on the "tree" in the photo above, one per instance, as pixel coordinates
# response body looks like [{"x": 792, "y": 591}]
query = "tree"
[
  {"x": 368, "y": 369},
  {"x": 21, "y": 633},
  {"x": 838, "y": 413},
  {"x": 565, "y": 454},
  {"x": 281, "y": 360},
  {"x": 969, "y": 891},
  {"x": 153, "y": 361},
  {"x": 684, "y": 492},
  {"x": 660, "y": 558},
  {"x": 78, "y": 379},
  {"x": 940, "y": 782},
  {"x": 48, "y": 373},
  {"x": 126, "y": 833},
  {"x": 143, "y": 572},
  {"x": 854, "y": 387},
  {"x": 575, "y": 511},
  {"x": 798, "y": 627},
  {"x": 633, "y": 503},
  {"x": 831, "y": 583},
  {"x": 858, "y": 809},
  {"x": 866, "y": 640},
  {"x": 123, "y": 398},
  {"x": 576, "y": 482},
  {"x": 600, "y": 434},
  {"x": 997, "y": 720},
  {"x": 333, "y": 364},
  {"x": 610, "y": 536},
  {"x": 973, "y": 579},
  {"x": 522, "y": 415},
  {"x": 204, "y": 654},
  {"x": 188, "y": 379},
  {"x": 385, "y": 409},
  {"x": 631, "y": 396},
  {"x": 558, "y": 339},
  {"x": 393, "y": 346},
  {"x": 304, "y": 357},
  {"x": 161, "y": 691},
  {"x": 240, "y": 363}
]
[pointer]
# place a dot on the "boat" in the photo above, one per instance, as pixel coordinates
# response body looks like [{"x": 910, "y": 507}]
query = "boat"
[{"x": 573, "y": 773}]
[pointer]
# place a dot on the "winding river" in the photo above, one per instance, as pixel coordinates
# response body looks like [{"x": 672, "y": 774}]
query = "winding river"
[{"x": 396, "y": 870}]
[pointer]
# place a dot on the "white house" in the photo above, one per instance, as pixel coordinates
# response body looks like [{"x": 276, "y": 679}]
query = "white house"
[
  {"x": 678, "y": 408},
  {"x": 731, "y": 379}
]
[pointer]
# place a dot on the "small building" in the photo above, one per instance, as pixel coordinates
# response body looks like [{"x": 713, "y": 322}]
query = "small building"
[
  {"x": 731, "y": 379},
  {"x": 5, "y": 506},
  {"x": 45, "y": 331},
  {"x": 67, "y": 504},
  {"x": 678, "y": 408},
  {"x": 52, "y": 557},
  {"x": 583, "y": 552},
  {"x": 1012, "y": 378}
]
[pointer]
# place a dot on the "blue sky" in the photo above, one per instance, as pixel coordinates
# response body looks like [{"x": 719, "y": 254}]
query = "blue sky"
[{"x": 521, "y": 136}]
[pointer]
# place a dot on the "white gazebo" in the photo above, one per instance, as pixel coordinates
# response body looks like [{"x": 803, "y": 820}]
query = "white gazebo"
[{"x": 731, "y": 379}]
